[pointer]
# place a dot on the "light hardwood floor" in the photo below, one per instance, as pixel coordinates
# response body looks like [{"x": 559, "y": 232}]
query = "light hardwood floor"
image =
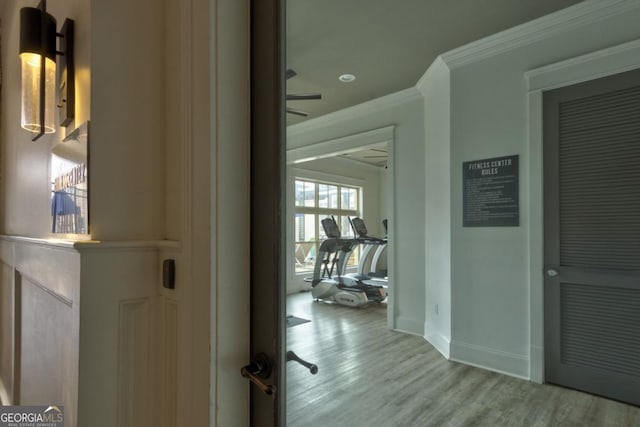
[{"x": 370, "y": 376}]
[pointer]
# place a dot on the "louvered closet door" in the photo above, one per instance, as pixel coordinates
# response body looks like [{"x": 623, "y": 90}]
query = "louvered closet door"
[{"x": 592, "y": 236}]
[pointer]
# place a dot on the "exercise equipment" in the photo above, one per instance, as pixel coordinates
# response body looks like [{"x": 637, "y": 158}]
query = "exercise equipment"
[
  {"x": 333, "y": 253},
  {"x": 372, "y": 247}
]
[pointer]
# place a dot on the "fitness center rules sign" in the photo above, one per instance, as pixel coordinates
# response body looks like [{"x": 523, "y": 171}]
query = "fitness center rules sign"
[{"x": 490, "y": 192}]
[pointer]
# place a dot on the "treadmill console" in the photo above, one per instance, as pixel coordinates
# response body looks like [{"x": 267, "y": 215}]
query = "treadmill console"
[
  {"x": 331, "y": 228},
  {"x": 359, "y": 227}
]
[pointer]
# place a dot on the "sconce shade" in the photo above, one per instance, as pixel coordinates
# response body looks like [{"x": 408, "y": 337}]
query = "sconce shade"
[
  {"x": 38, "y": 49},
  {"x": 31, "y": 75}
]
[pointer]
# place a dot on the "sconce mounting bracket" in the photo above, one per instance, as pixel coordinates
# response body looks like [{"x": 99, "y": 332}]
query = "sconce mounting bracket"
[{"x": 66, "y": 75}]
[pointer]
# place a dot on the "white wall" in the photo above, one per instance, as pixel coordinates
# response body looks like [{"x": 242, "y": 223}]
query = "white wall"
[
  {"x": 127, "y": 148},
  {"x": 383, "y": 207},
  {"x": 384, "y": 210},
  {"x": 405, "y": 110},
  {"x": 435, "y": 88},
  {"x": 490, "y": 312}
]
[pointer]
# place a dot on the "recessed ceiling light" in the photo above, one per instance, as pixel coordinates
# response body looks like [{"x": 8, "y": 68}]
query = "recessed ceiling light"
[{"x": 347, "y": 78}]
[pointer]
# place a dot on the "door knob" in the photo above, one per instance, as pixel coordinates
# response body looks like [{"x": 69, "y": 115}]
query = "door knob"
[
  {"x": 257, "y": 371},
  {"x": 292, "y": 356},
  {"x": 552, "y": 272}
]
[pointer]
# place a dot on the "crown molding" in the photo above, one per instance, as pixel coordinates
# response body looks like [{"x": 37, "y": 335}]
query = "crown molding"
[
  {"x": 436, "y": 66},
  {"x": 605, "y": 62},
  {"x": 578, "y": 15},
  {"x": 355, "y": 112}
]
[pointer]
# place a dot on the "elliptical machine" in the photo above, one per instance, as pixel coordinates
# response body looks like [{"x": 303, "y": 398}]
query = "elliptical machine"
[{"x": 332, "y": 255}]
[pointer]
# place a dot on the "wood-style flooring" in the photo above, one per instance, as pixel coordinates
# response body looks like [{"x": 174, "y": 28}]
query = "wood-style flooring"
[{"x": 370, "y": 376}]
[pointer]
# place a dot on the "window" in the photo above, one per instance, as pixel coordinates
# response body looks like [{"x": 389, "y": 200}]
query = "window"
[{"x": 315, "y": 201}]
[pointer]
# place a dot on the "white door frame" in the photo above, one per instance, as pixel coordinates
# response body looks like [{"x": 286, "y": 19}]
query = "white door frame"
[
  {"x": 594, "y": 65},
  {"x": 227, "y": 97}
]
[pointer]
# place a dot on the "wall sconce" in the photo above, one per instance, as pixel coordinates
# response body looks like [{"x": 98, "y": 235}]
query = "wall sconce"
[{"x": 38, "y": 52}]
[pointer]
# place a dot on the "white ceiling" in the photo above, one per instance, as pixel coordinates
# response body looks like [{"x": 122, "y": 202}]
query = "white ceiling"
[{"x": 387, "y": 44}]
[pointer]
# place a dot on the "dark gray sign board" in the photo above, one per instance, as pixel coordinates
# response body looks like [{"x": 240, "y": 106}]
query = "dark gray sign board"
[{"x": 490, "y": 192}]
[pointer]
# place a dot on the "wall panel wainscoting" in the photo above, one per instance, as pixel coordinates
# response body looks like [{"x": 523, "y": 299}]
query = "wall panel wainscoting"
[
  {"x": 7, "y": 327},
  {"x": 88, "y": 325},
  {"x": 48, "y": 346}
]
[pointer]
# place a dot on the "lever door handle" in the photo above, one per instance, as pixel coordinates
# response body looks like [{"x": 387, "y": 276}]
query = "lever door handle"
[
  {"x": 257, "y": 371},
  {"x": 292, "y": 356},
  {"x": 267, "y": 389}
]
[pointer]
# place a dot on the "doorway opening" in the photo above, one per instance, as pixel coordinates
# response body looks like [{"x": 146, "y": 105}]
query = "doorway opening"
[{"x": 355, "y": 181}]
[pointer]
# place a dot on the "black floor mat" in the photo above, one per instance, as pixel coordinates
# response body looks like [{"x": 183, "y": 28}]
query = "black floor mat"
[{"x": 295, "y": 321}]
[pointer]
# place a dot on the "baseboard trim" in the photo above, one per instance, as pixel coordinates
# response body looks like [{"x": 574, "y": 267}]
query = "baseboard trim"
[
  {"x": 514, "y": 365},
  {"x": 439, "y": 342},
  {"x": 536, "y": 369}
]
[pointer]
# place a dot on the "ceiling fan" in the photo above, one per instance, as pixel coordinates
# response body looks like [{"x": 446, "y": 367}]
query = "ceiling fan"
[{"x": 299, "y": 96}]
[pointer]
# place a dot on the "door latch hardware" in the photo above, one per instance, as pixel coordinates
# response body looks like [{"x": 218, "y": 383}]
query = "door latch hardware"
[
  {"x": 292, "y": 356},
  {"x": 552, "y": 272},
  {"x": 257, "y": 371}
]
